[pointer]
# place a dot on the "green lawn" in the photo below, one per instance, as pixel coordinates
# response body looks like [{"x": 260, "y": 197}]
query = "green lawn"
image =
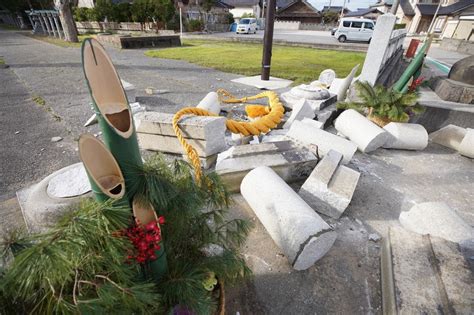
[
  {"x": 59, "y": 42},
  {"x": 299, "y": 64}
]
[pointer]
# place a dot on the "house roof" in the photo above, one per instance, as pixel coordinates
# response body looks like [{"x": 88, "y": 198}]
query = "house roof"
[
  {"x": 281, "y": 12},
  {"x": 241, "y": 3},
  {"x": 222, "y": 4},
  {"x": 283, "y": 3},
  {"x": 407, "y": 9},
  {"x": 333, "y": 8},
  {"x": 361, "y": 12},
  {"x": 456, "y": 7}
]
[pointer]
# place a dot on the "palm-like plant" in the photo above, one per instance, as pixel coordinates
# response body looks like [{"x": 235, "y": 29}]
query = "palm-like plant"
[{"x": 384, "y": 104}]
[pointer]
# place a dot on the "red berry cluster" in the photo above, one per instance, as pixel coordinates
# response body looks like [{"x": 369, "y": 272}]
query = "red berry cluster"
[
  {"x": 415, "y": 84},
  {"x": 145, "y": 240}
]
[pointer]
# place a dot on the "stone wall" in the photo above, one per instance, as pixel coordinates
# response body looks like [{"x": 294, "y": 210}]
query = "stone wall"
[
  {"x": 123, "y": 27},
  {"x": 459, "y": 45},
  {"x": 316, "y": 27},
  {"x": 131, "y": 42},
  {"x": 286, "y": 25}
]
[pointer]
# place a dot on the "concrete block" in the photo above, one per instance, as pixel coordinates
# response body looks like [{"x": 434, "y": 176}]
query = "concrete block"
[
  {"x": 316, "y": 105},
  {"x": 290, "y": 162},
  {"x": 172, "y": 145},
  {"x": 367, "y": 135},
  {"x": 437, "y": 218},
  {"x": 299, "y": 231},
  {"x": 210, "y": 103},
  {"x": 330, "y": 187},
  {"x": 423, "y": 274},
  {"x": 327, "y": 115},
  {"x": 300, "y": 110},
  {"x": 275, "y": 135},
  {"x": 196, "y": 127},
  {"x": 450, "y": 136},
  {"x": 406, "y": 136},
  {"x": 43, "y": 203},
  {"x": 313, "y": 123},
  {"x": 130, "y": 91},
  {"x": 466, "y": 147},
  {"x": 309, "y": 135}
]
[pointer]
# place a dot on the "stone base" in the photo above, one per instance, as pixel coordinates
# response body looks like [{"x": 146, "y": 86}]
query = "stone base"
[
  {"x": 453, "y": 91},
  {"x": 272, "y": 84},
  {"x": 131, "y": 42}
]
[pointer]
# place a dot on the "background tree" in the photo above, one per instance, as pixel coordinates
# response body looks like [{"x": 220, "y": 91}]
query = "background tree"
[
  {"x": 330, "y": 17},
  {"x": 67, "y": 20}
]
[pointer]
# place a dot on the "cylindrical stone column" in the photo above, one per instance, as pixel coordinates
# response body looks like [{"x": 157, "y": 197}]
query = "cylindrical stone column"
[
  {"x": 294, "y": 226},
  {"x": 367, "y": 135},
  {"x": 210, "y": 103},
  {"x": 406, "y": 136}
]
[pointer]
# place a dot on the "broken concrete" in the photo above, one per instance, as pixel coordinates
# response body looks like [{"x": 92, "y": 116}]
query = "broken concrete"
[
  {"x": 172, "y": 145},
  {"x": 301, "y": 110},
  {"x": 330, "y": 187},
  {"x": 340, "y": 86},
  {"x": 313, "y": 123},
  {"x": 422, "y": 274},
  {"x": 450, "y": 136},
  {"x": 316, "y": 104},
  {"x": 437, "y": 219},
  {"x": 466, "y": 147},
  {"x": 299, "y": 231},
  {"x": 406, "y": 136},
  {"x": 306, "y": 135},
  {"x": 275, "y": 135},
  {"x": 210, "y": 103},
  {"x": 367, "y": 135},
  {"x": 290, "y": 162},
  {"x": 196, "y": 127}
]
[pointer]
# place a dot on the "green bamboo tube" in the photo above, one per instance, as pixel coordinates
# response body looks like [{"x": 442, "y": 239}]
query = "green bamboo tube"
[
  {"x": 112, "y": 109},
  {"x": 411, "y": 70},
  {"x": 144, "y": 213},
  {"x": 105, "y": 176}
]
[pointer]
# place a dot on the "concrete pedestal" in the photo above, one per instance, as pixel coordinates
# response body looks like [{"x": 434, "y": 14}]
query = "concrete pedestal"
[
  {"x": 406, "y": 136},
  {"x": 296, "y": 228},
  {"x": 450, "y": 136},
  {"x": 367, "y": 135}
]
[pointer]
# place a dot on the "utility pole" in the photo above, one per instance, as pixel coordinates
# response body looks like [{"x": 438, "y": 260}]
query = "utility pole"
[
  {"x": 268, "y": 40},
  {"x": 394, "y": 7}
]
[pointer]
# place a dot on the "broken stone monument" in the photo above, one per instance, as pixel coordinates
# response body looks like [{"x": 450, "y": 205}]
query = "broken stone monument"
[
  {"x": 340, "y": 86},
  {"x": 306, "y": 135},
  {"x": 289, "y": 161},
  {"x": 210, "y": 103},
  {"x": 42, "y": 203},
  {"x": 298, "y": 230},
  {"x": 326, "y": 77},
  {"x": 301, "y": 110},
  {"x": 316, "y": 97},
  {"x": 330, "y": 187},
  {"x": 406, "y": 136},
  {"x": 360, "y": 130}
]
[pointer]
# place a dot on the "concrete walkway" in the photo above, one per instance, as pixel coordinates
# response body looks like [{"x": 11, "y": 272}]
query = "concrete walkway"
[{"x": 346, "y": 281}]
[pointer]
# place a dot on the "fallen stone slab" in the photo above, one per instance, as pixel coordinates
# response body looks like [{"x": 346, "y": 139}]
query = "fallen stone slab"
[
  {"x": 307, "y": 135},
  {"x": 313, "y": 123},
  {"x": 300, "y": 111},
  {"x": 289, "y": 161},
  {"x": 290, "y": 101},
  {"x": 210, "y": 103},
  {"x": 275, "y": 135},
  {"x": 330, "y": 187},
  {"x": 299, "y": 231},
  {"x": 42, "y": 203},
  {"x": 406, "y": 136},
  {"x": 450, "y": 136},
  {"x": 172, "y": 145},
  {"x": 196, "y": 127},
  {"x": 466, "y": 147},
  {"x": 327, "y": 115},
  {"x": 206, "y": 162},
  {"x": 130, "y": 91},
  {"x": 256, "y": 81},
  {"x": 367, "y": 135},
  {"x": 437, "y": 219},
  {"x": 423, "y": 274}
]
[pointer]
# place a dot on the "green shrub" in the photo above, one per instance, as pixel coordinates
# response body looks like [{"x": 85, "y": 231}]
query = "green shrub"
[
  {"x": 82, "y": 14},
  {"x": 195, "y": 25},
  {"x": 230, "y": 18},
  {"x": 399, "y": 26}
]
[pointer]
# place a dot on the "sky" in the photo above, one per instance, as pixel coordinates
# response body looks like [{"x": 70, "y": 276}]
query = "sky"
[{"x": 350, "y": 4}]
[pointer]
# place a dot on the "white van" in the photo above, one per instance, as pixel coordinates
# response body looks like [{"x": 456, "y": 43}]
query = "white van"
[
  {"x": 355, "y": 29},
  {"x": 247, "y": 25}
]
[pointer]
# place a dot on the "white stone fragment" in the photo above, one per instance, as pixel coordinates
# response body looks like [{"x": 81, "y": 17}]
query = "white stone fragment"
[
  {"x": 340, "y": 86},
  {"x": 275, "y": 135},
  {"x": 71, "y": 182},
  {"x": 437, "y": 219},
  {"x": 313, "y": 123},
  {"x": 210, "y": 103},
  {"x": 296, "y": 228},
  {"x": 466, "y": 147},
  {"x": 330, "y": 187},
  {"x": 367, "y": 135},
  {"x": 307, "y": 135},
  {"x": 449, "y": 136},
  {"x": 327, "y": 76},
  {"x": 56, "y": 139},
  {"x": 406, "y": 136},
  {"x": 301, "y": 110},
  {"x": 309, "y": 92}
]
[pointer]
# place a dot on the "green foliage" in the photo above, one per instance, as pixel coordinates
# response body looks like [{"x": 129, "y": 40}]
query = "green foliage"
[
  {"x": 83, "y": 14},
  {"x": 230, "y": 18},
  {"x": 384, "y": 102},
  {"x": 153, "y": 10},
  {"x": 194, "y": 25},
  {"x": 330, "y": 17},
  {"x": 208, "y": 4},
  {"x": 103, "y": 9},
  {"x": 247, "y": 15},
  {"x": 78, "y": 266},
  {"x": 400, "y": 26},
  {"x": 121, "y": 12}
]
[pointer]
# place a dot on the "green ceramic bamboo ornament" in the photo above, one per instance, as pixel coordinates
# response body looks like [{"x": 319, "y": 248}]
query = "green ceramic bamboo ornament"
[
  {"x": 113, "y": 110},
  {"x": 413, "y": 70}
]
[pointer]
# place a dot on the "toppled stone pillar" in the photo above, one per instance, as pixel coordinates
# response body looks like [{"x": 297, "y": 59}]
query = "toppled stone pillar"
[
  {"x": 210, "y": 103},
  {"x": 449, "y": 136},
  {"x": 367, "y": 135},
  {"x": 330, "y": 187},
  {"x": 466, "y": 147},
  {"x": 307, "y": 135},
  {"x": 299, "y": 231},
  {"x": 406, "y": 136},
  {"x": 437, "y": 219},
  {"x": 301, "y": 110}
]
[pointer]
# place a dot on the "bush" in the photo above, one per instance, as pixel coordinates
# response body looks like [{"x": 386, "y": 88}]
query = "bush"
[
  {"x": 121, "y": 12},
  {"x": 230, "y": 18},
  {"x": 399, "y": 26},
  {"x": 82, "y": 14},
  {"x": 247, "y": 15},
  {"x": 195, "y": 25}
]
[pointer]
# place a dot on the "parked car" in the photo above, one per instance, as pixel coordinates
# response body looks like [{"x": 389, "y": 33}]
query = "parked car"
[
  {"x": 247, "y": 26},
  {"x": 355, "y": 30}
]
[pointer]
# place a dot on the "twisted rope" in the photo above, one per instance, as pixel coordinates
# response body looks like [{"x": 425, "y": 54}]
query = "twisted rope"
[{"x": 256, "y": 127}]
